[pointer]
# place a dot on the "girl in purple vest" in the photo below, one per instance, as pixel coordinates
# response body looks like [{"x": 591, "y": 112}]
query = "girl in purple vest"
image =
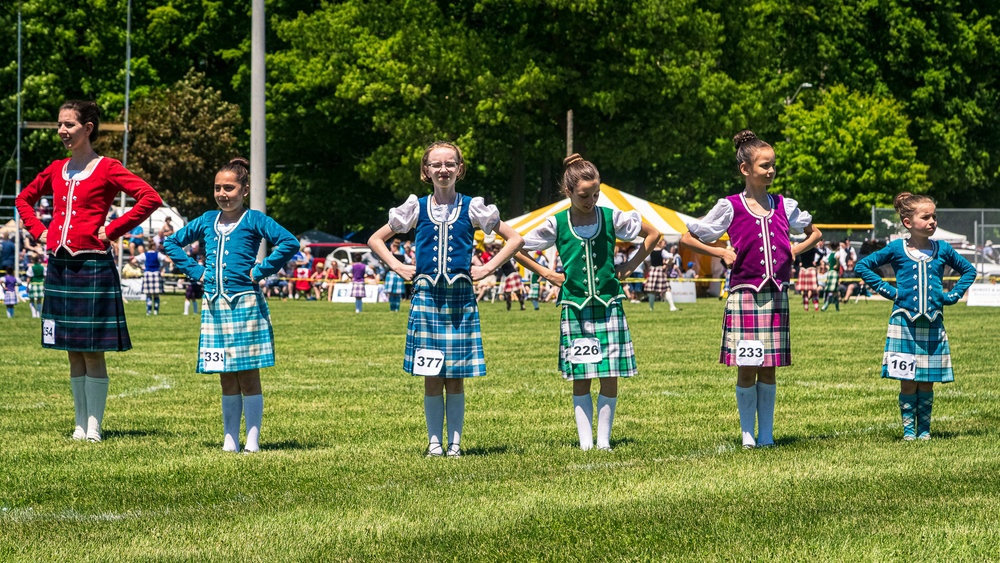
[
  {"x": 443, "y": 342},
  {"x": 755, "y": 329}
]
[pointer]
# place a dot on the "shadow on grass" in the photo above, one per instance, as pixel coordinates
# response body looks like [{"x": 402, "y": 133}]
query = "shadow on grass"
[
  {"x": 268, "y": 446},
  {"x": 490, "y": 450},
  {"x": 133, "y": 433}
]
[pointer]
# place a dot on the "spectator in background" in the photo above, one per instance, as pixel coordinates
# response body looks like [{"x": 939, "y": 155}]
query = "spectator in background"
[
  {"x": 44, "y": 211},
  {"x": 302, "y": 283},
  {"x": 6, "y": 253},
  {"x": 988, "y": 251},
  {"x": 849, "y": 283},
  {"x": 135, "y": 246},
  {"x": 690, "y": 273},
  {"x": 167, "y": 229}
]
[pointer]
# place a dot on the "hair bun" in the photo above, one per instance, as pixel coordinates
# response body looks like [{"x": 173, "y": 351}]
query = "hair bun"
[
  {"x": 743, "y": 136},
  {"x": 240, "y": 161},
  {"x": 575, "y": 157}
]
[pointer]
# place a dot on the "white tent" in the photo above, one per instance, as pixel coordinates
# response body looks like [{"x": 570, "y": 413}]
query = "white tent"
[{"x": 669, "y": 222}]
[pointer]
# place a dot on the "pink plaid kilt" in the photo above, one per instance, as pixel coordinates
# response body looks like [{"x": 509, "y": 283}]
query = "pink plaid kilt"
[
  {"x": 757, "y": 316},
  {"x": 512, "y": 283},
  {"x": 807, "y": 280}
]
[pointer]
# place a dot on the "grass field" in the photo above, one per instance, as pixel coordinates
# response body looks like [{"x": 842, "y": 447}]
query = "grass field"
[{"x": 342, "y": 476}]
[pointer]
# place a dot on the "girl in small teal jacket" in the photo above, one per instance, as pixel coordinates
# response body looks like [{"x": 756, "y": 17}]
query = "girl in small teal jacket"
[
  {"x": 236, "y": 336},
  {"x": 916, "y": 347}
]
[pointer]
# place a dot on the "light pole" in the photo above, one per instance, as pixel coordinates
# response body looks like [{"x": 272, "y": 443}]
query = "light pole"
[{"x": 790, "y": 101}]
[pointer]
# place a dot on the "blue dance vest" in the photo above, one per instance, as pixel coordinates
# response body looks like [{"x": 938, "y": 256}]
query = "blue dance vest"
[{"x": 444, "y": 248}]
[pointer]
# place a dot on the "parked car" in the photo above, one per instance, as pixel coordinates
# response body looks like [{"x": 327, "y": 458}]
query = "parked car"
[
  {"x": 986, "y": 267},
  {"x": 342, "y": 253}
]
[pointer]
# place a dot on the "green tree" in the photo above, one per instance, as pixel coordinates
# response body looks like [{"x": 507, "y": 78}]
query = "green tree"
[
  {"x": 847, "y": 153},
  {"x": 181, "y": 136}
]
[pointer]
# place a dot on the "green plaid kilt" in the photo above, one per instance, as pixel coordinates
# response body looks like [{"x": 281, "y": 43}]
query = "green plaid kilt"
[
  {"x": 534, "y": 286},
  {"x": 927, "y": 341},
  {"x": 36, "y": 290},
  {"x": 83, "y": 309},
  {"x": 608, "y": 325}
]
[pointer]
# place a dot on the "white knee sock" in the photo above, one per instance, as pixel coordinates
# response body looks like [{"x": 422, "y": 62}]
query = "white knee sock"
[
  {"x": 765, "y": 413},
  {"x": 78, "y": 384},
  {"x": 32, "y": 305},
  {"x": 455, "y": 409},
  {"x": 232, "y": 412},
  {"x": 253, "y": 412},
  {"x": 97, "y": 394},
  {"x": 187, "y": 307},
  {"x": 583, "y": 408},
  {"x": 605, "y": 418},
  {"x": 746, "y": 403},
  {"x": 434, "y": 415},
  {"x": 670, "y": 301}
]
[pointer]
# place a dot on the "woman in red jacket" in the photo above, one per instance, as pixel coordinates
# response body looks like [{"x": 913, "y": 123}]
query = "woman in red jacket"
[{"x": 82, "y": 311}]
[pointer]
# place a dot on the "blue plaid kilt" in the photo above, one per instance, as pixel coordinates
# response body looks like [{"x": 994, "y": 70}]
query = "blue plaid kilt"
[
  {"x": 446, "y": 319},
  {"x": 927, "y": 341},
  {"x": 83, "y": 301},
  {"x": 36, "y": 290},
  {"x": 9, "y": 297},
  {"x": 242, "y": 328},
  {"x": 152, "y": 282},
  {"x": 358, "y": 289},
  {"x": 394, "y": 283},
  {"x": 605, "y": 323},
  {"x": 757, "y": 316}
]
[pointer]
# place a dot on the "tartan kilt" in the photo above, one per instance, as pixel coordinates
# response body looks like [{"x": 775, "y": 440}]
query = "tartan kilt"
[
  {"x": 358, "y": 289},
  {"x": 534, "y": 289},
  {"x": 242, "y": 328},
  {"x": 656, "y": 280},
  {"x": 36, "y": 290},
  {"x": 394, "y": 283},
  {"x": 832, "y": 282},
  {"x": 807, "y": 280},
  {"x": 9, "y": 297},
  {"x": 513, "y": 284},
  {"x": 83, "y": 298},
  {"x": 927, "y": 341},
  {"x": 446, "y": 319},
  {"x": 607, "y": 324},
  {"x": 152, "y": 282},
  {"x": 759, "y": 316}
]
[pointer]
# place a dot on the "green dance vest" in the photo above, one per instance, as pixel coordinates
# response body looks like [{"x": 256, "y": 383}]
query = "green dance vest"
[{"x": 589, "y": 264}]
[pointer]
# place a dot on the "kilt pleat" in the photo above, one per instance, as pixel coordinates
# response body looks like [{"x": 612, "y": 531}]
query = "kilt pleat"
[
  {"x": 807, "y": 280},
  {"x": 656, "y": 280},
  {"x": 9, "y": 297},
  {"x": 927, "y": 341},
  {"x": 36, "y": 290},
  {"x": 358, "y": 289},
  {"x": 446, "y": 319},
  {"x": 83, "y": 301},
  {"x": 513, "y": 284},
  {"x": 152, "y": 282},
  {"x": 605, "y": 323},
  {"x": 242, "y": 328},
  {"x": 394, "y": 283},
  {"x": 759, "y": 316}
]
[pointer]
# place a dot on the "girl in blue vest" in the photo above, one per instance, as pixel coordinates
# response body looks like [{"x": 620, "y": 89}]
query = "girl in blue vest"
[
  {"x": 755, "y": 333},
  {"x": 595, "y": 342},
  {"x": 443, "y": 342},
  {"x": 916, "y": 348},
  {"x": 236, "y": 336},
  {"x": 152, "y": 278}
]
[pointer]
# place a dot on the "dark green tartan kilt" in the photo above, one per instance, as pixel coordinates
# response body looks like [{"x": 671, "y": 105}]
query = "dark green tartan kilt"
[
  {"x": 83, "y": 309},
  {"x": 607, "y": 324}
]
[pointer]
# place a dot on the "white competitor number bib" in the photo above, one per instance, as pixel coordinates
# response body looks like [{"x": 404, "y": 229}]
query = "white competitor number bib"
[
  {"x": 749, "y": 353},
  {"x": 901, "y": 366},
  {"x": 213, "y": 359},
  {"x": 49, "y": 332},
  {"x": 427, "y": 361},
  {"x": 584, "y": 351}
]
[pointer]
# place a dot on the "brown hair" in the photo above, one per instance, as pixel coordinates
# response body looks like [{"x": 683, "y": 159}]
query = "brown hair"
[
  {"x": 576, "y": 170},
  {"x": 241, "y": 168},
  {"x": 436, "y": 145},
  {"x": 747, "y": 144},
  {"x": 87, "y": 112},
  {"x": 906, "y": 203}
]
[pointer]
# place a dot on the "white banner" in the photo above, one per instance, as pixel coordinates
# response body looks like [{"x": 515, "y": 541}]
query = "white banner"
[
  {"x": 342, "y": 293},
  {"x": 984, "y": 295},
  {"x": 683, "y": 292},
  {"x": 132, "y": 289}
]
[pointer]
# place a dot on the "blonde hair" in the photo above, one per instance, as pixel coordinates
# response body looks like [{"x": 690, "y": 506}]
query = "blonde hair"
[
  {"x": 906, "y": 203},
  {"x": 442, "y": 144}
]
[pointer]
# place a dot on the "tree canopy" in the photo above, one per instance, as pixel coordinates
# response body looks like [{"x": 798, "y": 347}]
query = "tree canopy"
[{"x": 904, "y": 96}]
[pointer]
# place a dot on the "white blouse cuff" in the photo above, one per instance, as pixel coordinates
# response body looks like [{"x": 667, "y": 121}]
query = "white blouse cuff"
[
  {"x": 484, "y": 217},
  {"x": 715, "y": 223},
  {"x": 627, "y": 224},
  {"x": 797, "y": 218},
  {"x": 542, "y": 236}
]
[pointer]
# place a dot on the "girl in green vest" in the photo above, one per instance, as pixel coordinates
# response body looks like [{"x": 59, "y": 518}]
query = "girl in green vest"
[{"x": 595, "y": 342}]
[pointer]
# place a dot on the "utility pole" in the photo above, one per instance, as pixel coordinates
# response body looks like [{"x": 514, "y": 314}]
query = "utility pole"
[{"x": 258, "y": 131}]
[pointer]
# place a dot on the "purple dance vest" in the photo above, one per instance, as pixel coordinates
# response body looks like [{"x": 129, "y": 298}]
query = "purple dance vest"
[{"x": 763, "y": 250}]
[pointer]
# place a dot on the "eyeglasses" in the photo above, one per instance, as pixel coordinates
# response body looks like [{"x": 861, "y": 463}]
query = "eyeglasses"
[{"x": 450, "y": 165}]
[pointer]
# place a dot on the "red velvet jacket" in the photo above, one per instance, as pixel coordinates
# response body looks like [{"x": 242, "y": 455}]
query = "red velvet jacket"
[{"x": 81, "y": 204}]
